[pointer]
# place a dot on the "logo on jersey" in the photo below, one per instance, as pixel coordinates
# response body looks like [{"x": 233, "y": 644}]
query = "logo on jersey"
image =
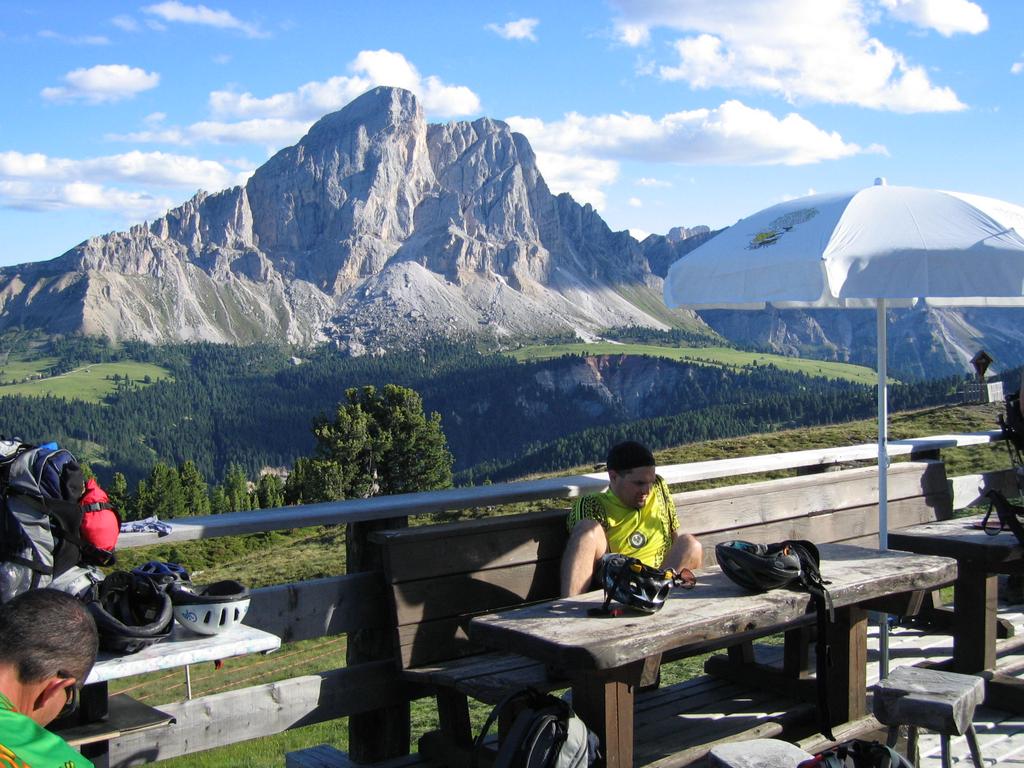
[{"x": 637, "y": 540}]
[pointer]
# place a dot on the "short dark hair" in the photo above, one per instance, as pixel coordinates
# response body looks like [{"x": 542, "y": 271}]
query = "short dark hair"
[
  {"x": 44, "y": 633},
  {"x": 629, "y": 455}
]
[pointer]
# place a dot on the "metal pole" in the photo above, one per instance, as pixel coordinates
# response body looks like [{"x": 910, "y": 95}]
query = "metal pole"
[
  {"x": 883, "y": 480},
  {"x": 188, "y": 683}
]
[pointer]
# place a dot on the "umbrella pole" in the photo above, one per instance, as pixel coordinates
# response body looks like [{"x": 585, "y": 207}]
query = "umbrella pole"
[{"x": 883, "y": 472}]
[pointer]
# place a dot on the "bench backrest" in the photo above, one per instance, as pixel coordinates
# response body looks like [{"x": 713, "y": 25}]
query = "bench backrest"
[
  {"x": 828, "y": 507},
  {"x": 439, "y": 576}
]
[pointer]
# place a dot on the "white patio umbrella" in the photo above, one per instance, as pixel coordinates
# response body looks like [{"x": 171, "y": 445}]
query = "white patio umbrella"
[{"x": 883, "y": 246}]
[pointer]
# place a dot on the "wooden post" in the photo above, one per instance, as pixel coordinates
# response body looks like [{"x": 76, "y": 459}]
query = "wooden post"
[{"x": 382, "y": 733}]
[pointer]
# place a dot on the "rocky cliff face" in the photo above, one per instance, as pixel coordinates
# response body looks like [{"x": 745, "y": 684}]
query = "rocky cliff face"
[{"x": 375, "y": 229}]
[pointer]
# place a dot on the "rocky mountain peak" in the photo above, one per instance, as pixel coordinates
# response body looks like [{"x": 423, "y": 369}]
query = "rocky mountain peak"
[{"x": 376, "y": 228}]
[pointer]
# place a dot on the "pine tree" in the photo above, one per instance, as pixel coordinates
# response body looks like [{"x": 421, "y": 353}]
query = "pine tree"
[
  {"x": 194, "y": 489},
  {"x": 380, "y": 442},
  {"x": 236, "y": 489},
  {"x": 270, "y": 491}
]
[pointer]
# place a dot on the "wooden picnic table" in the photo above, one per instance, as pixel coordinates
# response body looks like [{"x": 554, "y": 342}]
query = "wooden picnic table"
[
  {"x": 604, "y": 655},
  {"x": 980, "y": 557}
]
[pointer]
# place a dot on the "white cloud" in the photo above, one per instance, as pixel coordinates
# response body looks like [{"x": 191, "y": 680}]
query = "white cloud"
[
  {"x": 521, "y": 29},
  {"x": 269, "y": 131},
  {"x": 732, "y": 134},
  {"x": 137, "y": 167},
  {"x": 74, "y": 39},
  {"x": 802, "y": 50},
  {"x": 31, "y": 196},
  {"x": 102, "y": 83},
  {"x": 635, "y": 202},
  {"x": 646, "y": 181},
  {"x": 639, "y": 234},
  {"x": 125, "y": 23},
  {"x": 370, "y": 69},
  {"x": 174, "y": 11},
  {"x": 1017, "y": 67},
  {"x": 633, "y": 35},
  {"x": 581, "y": 154},
  {"x": 947, "y": 17},
  {"x": 583, "y": 177}
]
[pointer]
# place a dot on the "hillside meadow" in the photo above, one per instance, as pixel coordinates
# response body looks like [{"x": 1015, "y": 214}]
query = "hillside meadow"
[
  {"x": 716, "y": 356},
  {"x": 311, "y": 553},
  {"x": 91, "y": 383}
]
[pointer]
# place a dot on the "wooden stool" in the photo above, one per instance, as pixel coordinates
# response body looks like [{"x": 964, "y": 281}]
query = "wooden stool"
[
  {"x": 758, "y": 753},
  {"x": 942, "y": 702}
]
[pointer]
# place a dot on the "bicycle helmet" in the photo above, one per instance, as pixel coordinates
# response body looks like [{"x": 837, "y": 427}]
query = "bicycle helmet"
[
  {"x": 131, "y": 612},
  {"x": 162, "y": 575},
  {"x": 210, "y": 609},
  {"x": 639, "y": 586},
  {"x": 760, "y": 567}
]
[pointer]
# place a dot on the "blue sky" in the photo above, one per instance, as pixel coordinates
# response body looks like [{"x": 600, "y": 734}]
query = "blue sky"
[{"x": 659, "y": 113}]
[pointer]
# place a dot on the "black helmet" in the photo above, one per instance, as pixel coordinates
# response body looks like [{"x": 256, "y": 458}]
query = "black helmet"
[
  {"x": 760, "y": 567},
  {"x": 630, "y": 582},
  {"x": 162, "y": 574},
  {"x": 131, "y": 613}
]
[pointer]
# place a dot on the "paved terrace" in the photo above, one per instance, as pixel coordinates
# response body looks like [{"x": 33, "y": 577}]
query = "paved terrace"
[{"x": 1000, "y": 733}]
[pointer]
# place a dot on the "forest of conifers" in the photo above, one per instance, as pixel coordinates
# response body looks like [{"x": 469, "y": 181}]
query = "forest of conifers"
[{"x": 253, "y": 407}]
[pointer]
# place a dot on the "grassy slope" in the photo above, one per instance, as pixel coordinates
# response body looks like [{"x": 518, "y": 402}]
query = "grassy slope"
[
  {"x": 320, "y": 552},
  {"x": 90, "y": 382},
  {"x": 723, "y": 356}
]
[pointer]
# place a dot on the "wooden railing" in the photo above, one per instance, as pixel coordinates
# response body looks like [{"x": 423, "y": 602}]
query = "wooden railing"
[{"x": 353, "y": 602}]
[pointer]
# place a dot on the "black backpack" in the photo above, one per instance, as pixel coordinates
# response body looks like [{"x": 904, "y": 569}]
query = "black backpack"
[
  {"x": 795, "y": 564},
  {"x": 1012, "y": 425},
  {"x": 857, "y": 753},
  {"x": 545, "y": 733},
  {"x": 40, "y": 517}
]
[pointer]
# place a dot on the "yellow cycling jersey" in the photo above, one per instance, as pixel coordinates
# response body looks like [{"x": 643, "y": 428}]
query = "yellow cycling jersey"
[{"x": 644, "y": 533}]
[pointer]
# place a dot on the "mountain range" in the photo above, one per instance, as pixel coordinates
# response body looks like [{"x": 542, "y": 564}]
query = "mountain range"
[{"x": 379, "y": 230}]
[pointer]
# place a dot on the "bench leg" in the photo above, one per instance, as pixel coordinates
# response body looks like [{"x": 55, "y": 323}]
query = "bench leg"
[
  {"x": 912, "y": 755},
  {"x": 453, "y": 716},
  {"x": 972, "y": 742},
  {"x": 947, "y": 761},
  {"x": 893, "y": 736}
]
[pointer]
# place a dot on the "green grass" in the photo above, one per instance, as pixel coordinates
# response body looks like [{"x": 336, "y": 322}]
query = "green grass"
[
  {"x": 91, "y": 383},
  {"x": 13, "y": 369},
  {"x": 719, "y": 356}
]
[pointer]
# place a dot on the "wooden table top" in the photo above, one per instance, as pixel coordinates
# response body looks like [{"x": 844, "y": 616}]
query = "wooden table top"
[
  {"x": 561, "y": 632},
  {"x": 181, "y": 648},
  {"x": 961, "y": 538}
]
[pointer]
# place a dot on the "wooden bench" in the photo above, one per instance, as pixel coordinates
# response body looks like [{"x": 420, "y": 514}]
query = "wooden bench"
[{"x": 440, "y": 576}]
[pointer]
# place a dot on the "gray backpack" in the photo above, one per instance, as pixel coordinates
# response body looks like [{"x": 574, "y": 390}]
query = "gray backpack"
[
  {"x": 545, "y": 733},
  {"x": 39, "y": 515}
]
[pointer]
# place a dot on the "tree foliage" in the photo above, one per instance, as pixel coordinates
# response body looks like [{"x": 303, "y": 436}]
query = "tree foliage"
[{"x": 379, "y": 442}]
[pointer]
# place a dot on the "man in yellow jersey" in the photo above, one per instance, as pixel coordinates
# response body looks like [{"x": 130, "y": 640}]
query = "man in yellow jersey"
[
  {"x": 634, "y": 517},
  {"x": 48, "y": 645}
]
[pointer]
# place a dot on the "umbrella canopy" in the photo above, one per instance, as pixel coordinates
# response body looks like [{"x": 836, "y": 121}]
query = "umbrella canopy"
[
  {"x": 876, "y": 247},
  {"x": 850, "y": 250}
]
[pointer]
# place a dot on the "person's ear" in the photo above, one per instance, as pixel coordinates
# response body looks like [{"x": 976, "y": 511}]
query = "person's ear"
[{"x": 50, "y": 699}]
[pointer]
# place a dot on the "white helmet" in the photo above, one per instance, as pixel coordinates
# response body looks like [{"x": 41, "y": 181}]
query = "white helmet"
[{"x": 211, "y": 609}]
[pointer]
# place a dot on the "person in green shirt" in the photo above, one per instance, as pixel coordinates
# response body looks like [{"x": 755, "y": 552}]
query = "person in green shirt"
[
  {"x": 48, "y": 644},
  {"x": 635, "y": 517}
]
